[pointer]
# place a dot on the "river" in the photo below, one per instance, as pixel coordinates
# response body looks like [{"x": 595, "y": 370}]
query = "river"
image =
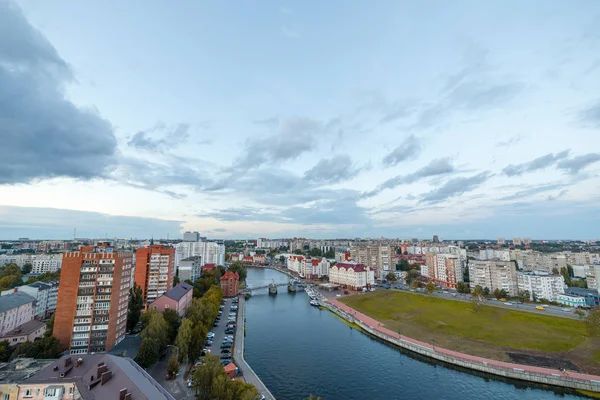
[{"x": 297, "y": 350}]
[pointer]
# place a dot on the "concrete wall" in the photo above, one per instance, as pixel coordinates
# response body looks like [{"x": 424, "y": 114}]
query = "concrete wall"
[{"x": 515, "y": 373}]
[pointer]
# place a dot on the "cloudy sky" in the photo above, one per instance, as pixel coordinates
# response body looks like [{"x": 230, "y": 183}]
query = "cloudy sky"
[{"x": 466, "y": 119}]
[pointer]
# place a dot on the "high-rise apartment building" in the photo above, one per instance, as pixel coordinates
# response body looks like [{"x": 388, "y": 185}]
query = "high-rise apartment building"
[
  {"x": 154, "y": 270},
  {"x": 542, "y": 286},
  {"x": 501, "y": 241},
  {"x": 376, "y": 256},
  {"x": 445, "y": 269},
  {"x": 516, "y": 241},
  {"x": 211, "y": 252},
  {"x": 494, "y": 274},
  {"x": 191, "y": 236},
  {"x": 93, "y": 294}
]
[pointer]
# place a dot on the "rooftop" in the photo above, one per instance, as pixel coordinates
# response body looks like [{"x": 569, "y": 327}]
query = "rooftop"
[
  {"x": 192, "y": 258},
  {"x": 18, "y": 370},
  {"x": 179, "y": 291},
  {"x": 13, "y": 300},
  {"x": 26, "y": 328},
  {"x": 101, "y": 376},
  {"x": 229, "y": 275}
]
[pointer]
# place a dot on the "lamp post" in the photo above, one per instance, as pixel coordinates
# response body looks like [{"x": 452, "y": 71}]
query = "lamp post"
[{"x": 433, "y": 341}]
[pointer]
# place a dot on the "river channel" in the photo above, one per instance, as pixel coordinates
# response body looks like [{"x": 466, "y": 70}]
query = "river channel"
[{"x": 297, "y": 350}]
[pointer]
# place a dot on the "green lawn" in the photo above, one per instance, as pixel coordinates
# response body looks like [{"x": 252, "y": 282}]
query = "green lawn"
[{"x": 424, "y": 317}]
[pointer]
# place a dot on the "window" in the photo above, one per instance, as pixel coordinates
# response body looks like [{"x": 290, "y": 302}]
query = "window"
[
  {"x": 7, "y": 397},
  {"x": 49, "y": 392},
  {"x": 166, "y": 306},
  {"x": 28, "y": 393}
]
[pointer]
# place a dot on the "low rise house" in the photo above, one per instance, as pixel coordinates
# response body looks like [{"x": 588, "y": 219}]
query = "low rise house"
[
  {"x": 92, "y": 377},
  {"x": 571, "y": 301},
  {"x": 353, "y": 276},
  {"x": 178, "y": 299},
  {"x": 592, "y": 297},
  {"x": 16, "y": 309},
  {"x": 27, "y": 332},
  {"x": 230, "y": 284},
  {"x": 208, "y": 267}
]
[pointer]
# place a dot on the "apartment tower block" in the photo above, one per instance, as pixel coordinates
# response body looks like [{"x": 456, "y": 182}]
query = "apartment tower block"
[{"x": 154, "y": 270}]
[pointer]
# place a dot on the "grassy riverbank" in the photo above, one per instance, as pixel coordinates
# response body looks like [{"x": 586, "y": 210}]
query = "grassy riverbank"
[{"x": 492, "y": 332}]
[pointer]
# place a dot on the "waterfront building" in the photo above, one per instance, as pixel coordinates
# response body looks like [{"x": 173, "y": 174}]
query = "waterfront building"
[
  {"x": 92, "y": 376},
  {"x": 494, "y": 274},
  {"x": 541, "y": 286},
  {"x": 376, "y": 256},
  {"x": 353, "y": 276},
  {"x": 16, "y": 309},
  {"x": 154, "y": 270},
  {"x": 178, "y": 299},
  {"x": 572, "y": 301},
  {"x": 45, "y": 295},
  {"x": 190, "y": 268},
  {"x": 294, "y": 263},
  {"x": 93, "y": 294},
  {"x": 314, "y": 268},
  {"x": 230, "y": 284}
]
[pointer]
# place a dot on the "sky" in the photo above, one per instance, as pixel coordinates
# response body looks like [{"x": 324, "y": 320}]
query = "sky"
[{"x": 464, "y": 119}]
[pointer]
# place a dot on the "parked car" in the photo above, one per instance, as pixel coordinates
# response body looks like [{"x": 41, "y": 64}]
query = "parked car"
[
  {"x": 225, "y": 357},
  {"x": 208, "y": 343},
  {"x": 225, "y": 362},
  {"x": 189, "y": 382},
  {"x": 226, "y": 350}
]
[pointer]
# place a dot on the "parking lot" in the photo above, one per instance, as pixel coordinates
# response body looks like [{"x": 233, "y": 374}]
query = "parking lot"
[{"x": 219, "y": 331}]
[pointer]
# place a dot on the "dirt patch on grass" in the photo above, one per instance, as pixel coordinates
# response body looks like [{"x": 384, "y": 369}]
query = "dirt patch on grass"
[{"x": 540, "y": 361}]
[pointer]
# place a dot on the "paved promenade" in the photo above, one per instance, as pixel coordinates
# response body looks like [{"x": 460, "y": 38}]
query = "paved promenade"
[
  {"x": 238, "y": 353},
  {"x": 550, "y": 373}
]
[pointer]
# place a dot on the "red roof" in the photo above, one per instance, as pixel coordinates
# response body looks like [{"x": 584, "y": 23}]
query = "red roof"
[
  {"x": 209, "y": 267},
  {"x": 355, "y": 267},
  {"x": 315, "y": 261},
  {"x": 298, "y": 258},
  {"x": 230, "y": 274},
  {"x": 230, "y": 367}
]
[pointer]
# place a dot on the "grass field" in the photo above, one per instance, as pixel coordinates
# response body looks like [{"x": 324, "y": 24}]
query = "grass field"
[{"x": 490, "y": 332}]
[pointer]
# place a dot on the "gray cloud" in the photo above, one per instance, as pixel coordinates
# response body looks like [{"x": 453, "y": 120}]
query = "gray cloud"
[
  {"x": 558, "y": 195},
  {"x": 436, "y": 167},
  {"x": 591, "y": 116},
  {"x": 532, "y": 191},
  {"x": 44, "y": 135},
  {"x": 535, "y": 164},
  {"x": 168, "y": 137},
  {"x": 53, "y": 223},
  {"x": 509, "y": 142},
  {"x": 332, "y": 170},
  {"x": 455, "y": 187},
  {"x": 576, "y": 164},
  {"x": 410, "y": 148}
]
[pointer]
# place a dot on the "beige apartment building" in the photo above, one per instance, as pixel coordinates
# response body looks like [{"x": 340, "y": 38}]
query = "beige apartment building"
[
  {"x": 494, "y": 274},
  {"x": 377, "y": 256}
]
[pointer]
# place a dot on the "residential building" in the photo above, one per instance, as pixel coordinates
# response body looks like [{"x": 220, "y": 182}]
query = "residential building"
[
  {"x": 377, "y": 256},
  {"x": 592, "y": 297},
  {"x": 93, "y": 377},
  {"x": 230, "y": 284},
  {"x": 592, "y": 276},
  {"x": 190, "y": 268},
  {"x": 516, "y": 241},
  {"x": 527, "y": 242},
  {"x": 572, "y": 301},
  {"x": 491, "y": 254},
  {"x": 42, "y": 263},
  {"x": 178, "y": 299},
  {"x": 263, "y": 243},
  {"x": 294, "y": 263},
  {"x": 541, "y": 286},
  {"x": 16, "y": 309},
  {"x": 14, "y": 373},
  {"x": 154, "y": 270},
  {"x": 208, "y": 268},
  {"x": 342, "y": 256},
  {"x": 579, "y": 271},
  {"x": 353, "y": 276},
  {"x": 211, "y": 252},
  {"x": 314, "y": 268},
  {"x": 27, "y": 332},
  {"x": 93, "y": 294},
  {"x": 501, "y": 241},
  {"x": 44, "y": 293},
  {"x": 191, "y": 236},
  {"x": 444, "y": 269},
  {"x": 494, "y": 274}
]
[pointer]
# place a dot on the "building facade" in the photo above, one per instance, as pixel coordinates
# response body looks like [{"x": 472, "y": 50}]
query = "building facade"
[
  {"x": 444, "y": 269},
  {"x": 45, "y": 295},
  {"x": 93, "y": 294},
  {"x": 592, "y": 297},
  {"x": 230, "y": 284},
  {"x": 154, "y": 270},
  {"x": 572, "y": 301},
  {"x": 211, "y": 252},
  {"x": 16, "y": 309},
  {"x": 191, "y": 236},
  {"x": 178, "y": 299},
  {"x": 377, "y": 256},
  {"x": 190, "y": 268},
  {"x": 541, "y": 286},
  {"x": 314, "y": 268},
  {"x": 27, "y": 332},
  {"x": 494, "y": 274},
  {"x": 353, "y": 276}
]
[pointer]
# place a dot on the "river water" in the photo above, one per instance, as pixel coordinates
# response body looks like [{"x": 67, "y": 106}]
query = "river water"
[{"x": 297, "y": 350}]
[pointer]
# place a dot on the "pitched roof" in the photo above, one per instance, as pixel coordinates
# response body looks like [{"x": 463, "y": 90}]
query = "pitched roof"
[
  {"x": 13, "y": 300},
  {"x": 179, "y": 291},
  {"x": 230, "y": 274},
  {"x": 125, "y": 374},
  {"x": 355, "y": 267},
  {"x": 26, "y": 328}
]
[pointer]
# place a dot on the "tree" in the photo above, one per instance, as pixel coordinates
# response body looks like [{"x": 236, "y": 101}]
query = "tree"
[
  {"x": 430, "y": 287},
  {"x": 503, "y": 294},
  {"x": 175, "y": 280},
  {"x": 555, "y": 271},
  {"x": 148, "y": 352},
  {"x": 403, "y": 265},
  {"x": 282, "y": 259},
  {"x": 173, "y": 365},
  {"x": 497, "y": 294},
  {"x": 157, "y": 329},
  {"x": 197, "y": 342},
  {"x": 49, "y": 326},
  {"x": 316, "y": 252},
  {"x": 238, "y": 267},
  {"x": 5, "y": 351},
  {"x": 10, "y": 270},
  {"x": 172, "y": 319},
  {"x": 411, "y": 276},
  {"x": 46, "y": 347},
  {"x": 204, "y": 376},
  {"x": 184, "y": 338},
  {"x": 462, "y": 287},
  {"x": 523, "y": 295},
  {"x": 26, "y": 268},
  {"x": 391, "y": 277},
  {"x": 478, "y": 291},
  {"x": 580, "y": 313},
  {"x": 298, "y": 251},
  {"x": 565, "y": 273},
  {"x": 592, "y": 323},
  {"x": 486, "y": 291},
  {"x": 136, "y": 303},
  {"x": 330, "y": 253},
  {"x": 478, "y": 294}
]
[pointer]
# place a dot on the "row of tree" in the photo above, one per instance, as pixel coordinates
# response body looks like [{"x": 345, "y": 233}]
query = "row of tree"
[
  {"x": 11, "y": 276},
  {"x": 209, "y": 382},
  {"x": 46, "y": 347}
]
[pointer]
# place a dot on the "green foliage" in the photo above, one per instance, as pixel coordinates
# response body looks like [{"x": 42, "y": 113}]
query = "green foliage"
[
  {"x": 10, "y": 276},
  {"x": 156, "y": 329},
  {"x": 136, "y": 303},
  {"x": 148, "y": 352},
  {"x": 403, "y": 265},
  {"x": 209, "y": 382},
  {"x": 411, "y": 276},
  {"x": 462, "y": 287},
  {"x": 10, "y": 270},
  {"x": 592, "y": 323},
  {"x": 565, "y": 273},
  {"x": 497, "y": 294},
  {"x": 523, "y": 295},
  {"x": 298, "y": 251},
  {"x": 175, "y": 280},
  {"x": 5, "y": 351},
  {"x": 391, "y": 277},
  {"x": 173, "y": 365},
  {"x": 486, "y": 291},
  {"x": 503, "y": 294},
  {"x": 329, "y": 253},
  {"x": 580, "y": 313},
  {"x": 26, "y": 268},
  {"x": 200, "y": 315},
  {"x": 315, "y": 252},
  {"x": 49, "y": 326},
  {"x": 46, "y": 347},
  {"x": 172, "y": 319},
  {"x": 45, "y": 277},
  {"x": 184, "y": 338},
  {"x": 238, "y": 267},
  {"x": 430, "y": 287}
]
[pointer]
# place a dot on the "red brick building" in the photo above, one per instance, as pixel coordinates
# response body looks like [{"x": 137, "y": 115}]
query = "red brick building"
[
  {"x": 91, "y": 309},
  {"x": 154, "y": 270},
  {"x": 229, "y": 284}
]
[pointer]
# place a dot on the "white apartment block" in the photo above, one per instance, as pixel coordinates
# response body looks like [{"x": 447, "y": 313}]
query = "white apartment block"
[
  {"x": 44, "y": 293},
  {"x": 40, "y": 263},
  {"x": 494, "y": 274},
  {"x": 190, "y": 268},
  {"x": 542, "y": 286},
  {"x": 592, "y": 276},
  {"x": 263, "y": 243},
  {"x": 294, "y": 263},
  {"x": 353, "y": 276},
  {"x": 211, "y": 252},
  {"x": 16, "y": 309},
  {"x": 491, "y": 254},
  {"x": 314, "y": 268}
]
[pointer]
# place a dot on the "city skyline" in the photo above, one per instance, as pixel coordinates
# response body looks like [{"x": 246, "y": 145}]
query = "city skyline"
[{"x": 283, "y": 120}]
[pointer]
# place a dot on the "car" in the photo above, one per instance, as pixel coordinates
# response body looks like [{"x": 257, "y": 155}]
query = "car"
[
  {"x": 225, "y": 351},
  {"x": 228, "y": 344},
  {"x": 225, "y": 362},
  {"x": 225, "y": 357},
  {"x": 338, "y": 295},
  {"x": 508, "y": 303},
  {"x": 565, "y": 309},
  {"x": 229, "y": 337},
  {"x": 215, "y": 325},
  {"x": 211, "y": 334},
  {"x": 189, "y": 382},
  {"x": 208, "y": 343}
]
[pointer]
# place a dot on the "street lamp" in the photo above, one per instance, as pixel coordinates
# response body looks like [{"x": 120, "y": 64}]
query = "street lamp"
[{"x": 433, "y": 340}]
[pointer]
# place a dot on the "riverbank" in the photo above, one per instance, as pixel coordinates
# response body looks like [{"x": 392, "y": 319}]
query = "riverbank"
[
  {"x": 238, "y": 353},
  {"x": 544, "y": 376}
]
